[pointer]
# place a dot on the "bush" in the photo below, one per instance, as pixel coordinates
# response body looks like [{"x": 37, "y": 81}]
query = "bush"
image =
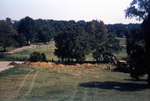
[
  {"x": 36, "y": 56},
  {"x": 43, "y": 57},
  {"x": 10, "y": 58},
  {"x": 2, "y": 55},
  {"x": 52, "y": 60}
]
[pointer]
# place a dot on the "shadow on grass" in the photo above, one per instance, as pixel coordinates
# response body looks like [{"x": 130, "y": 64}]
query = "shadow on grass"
[
  {"x": 114, "y": 85},
  {"x": 143, "y": 80}
]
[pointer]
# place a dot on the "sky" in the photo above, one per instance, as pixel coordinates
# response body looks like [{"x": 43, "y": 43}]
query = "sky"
[{"x": 108, "y": 11}]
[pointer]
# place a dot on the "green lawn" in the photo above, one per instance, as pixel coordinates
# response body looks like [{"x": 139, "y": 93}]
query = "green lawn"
[
  {"x": 25, "y": 83},
  {"x": 47, "y": 49},
  {"x": 50, "y": 48}
]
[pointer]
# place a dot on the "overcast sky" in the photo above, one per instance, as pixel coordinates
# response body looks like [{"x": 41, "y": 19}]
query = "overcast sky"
[{"x": 109, "y": 11}]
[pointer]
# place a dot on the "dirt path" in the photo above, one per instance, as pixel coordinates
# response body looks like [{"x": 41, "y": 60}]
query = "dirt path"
[
  {"x": 5, "y": 65},
  {"x": 20, "y": 49}
]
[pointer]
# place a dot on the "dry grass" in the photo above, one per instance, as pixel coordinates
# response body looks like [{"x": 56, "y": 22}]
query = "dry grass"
[{"x": 55, "y": 84}]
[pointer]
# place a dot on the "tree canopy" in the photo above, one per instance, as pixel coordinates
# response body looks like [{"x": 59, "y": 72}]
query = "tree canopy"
[
  {"x": 6, "y": 33},
  {"x": 103, "y": 44},
  {"x": 26, "y": 26},
  {"x": 138, "y": 42},
  {"x": 71, "y": 42},
  {"x": 139, "y": 9}
]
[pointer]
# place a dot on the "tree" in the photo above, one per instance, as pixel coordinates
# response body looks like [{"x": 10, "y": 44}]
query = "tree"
[
  {"x": 103, "y": 44},
  {"x": 140, "y": 9},
  {"x": 26, "y": 26},
  {"x": 45, "y": 30},
  {"x": 46, "y": 33},
  {"x": 21, "y": 39},
  {"x": 71, "y": 43},
  {"x": 6, "y": 34},
  {"x": 135, "y": 44}
]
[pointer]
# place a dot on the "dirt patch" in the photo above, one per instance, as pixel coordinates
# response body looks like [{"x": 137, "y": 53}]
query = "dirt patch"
[
  {"x": 74, "y": 65},
  {"x": 14, "y": 63}
]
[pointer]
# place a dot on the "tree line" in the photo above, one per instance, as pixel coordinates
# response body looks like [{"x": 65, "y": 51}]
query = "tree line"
[
  {"x": 120, "y": 29},
  {"x": 74, "y": 40},
  {"x": 28, "y": 30}
]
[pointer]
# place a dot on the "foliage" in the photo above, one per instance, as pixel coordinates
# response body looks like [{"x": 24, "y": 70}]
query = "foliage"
[
  {"x": 6, "y": 34},
  {"x": 43, "y": 57},
  {"x": 21, "y": 39},
  {"x": 12, "y": 58},
  {"x": 36, "y": 56},
  {"x": 45, "y": 31},
  {"x": 140, "y": 49},
  {"x": 138, "y": 9},
  {"x": 102, "y": 43},
  {"x": 71, "y": 42},
  {"x": 2, "y": 55},
  {"x": 120, "y": 29},
  {"x": 136, "y": 52},
  {"x": 26, "y": 26}
]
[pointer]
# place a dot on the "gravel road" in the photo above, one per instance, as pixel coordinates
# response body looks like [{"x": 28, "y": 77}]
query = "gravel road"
[{"x": 5, "y": 64}]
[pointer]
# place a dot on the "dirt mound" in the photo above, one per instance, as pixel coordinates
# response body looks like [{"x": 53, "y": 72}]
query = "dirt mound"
[
  {"x": 13, "y": 63},
  {"x": 52, "y": 64}
]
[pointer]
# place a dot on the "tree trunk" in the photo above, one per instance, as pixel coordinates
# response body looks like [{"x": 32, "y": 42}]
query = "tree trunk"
[
  {"x": 148, "y": 80},
  {"x": 27, "y": 41},
  {"x": 4, "y": 48},
  {"x": 62, "y": 59}
]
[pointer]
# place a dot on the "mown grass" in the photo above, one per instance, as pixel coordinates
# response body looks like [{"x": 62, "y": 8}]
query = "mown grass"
[
  {"x": 25, "y": 83},
  {"x": 50, "y": 48},
  {"x": 47, "y": 49}
]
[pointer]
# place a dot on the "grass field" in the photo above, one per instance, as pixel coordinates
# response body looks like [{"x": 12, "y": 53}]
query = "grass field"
[
  {"x": 25, "y": 83},
  {"x": 50, "y": 48}
]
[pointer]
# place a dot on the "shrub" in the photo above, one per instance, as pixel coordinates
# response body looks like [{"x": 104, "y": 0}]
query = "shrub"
[
  {"x": 35, "y": 56},
  {"x": 43, "y": 57},
  {"x": 2, "y": 55},
  {"x": 52, "y": 60}
]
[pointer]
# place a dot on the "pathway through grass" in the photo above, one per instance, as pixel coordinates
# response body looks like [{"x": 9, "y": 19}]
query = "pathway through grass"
[{"x": 70, "y": 84}]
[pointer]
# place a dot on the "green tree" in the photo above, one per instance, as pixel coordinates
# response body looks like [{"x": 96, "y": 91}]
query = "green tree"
[
  {"x": 45, "y": 30},
  {"x": 6, "y": 34},
  {"x": 46, "y": 33},
  {"x": 71, "y": 43},
  {"x": 140, "y": 9},
  {"x": 21, "y": 39},
  {"x": 103, "y": 44},
  {"x": 35, "y": 56},
  {"x": 136, "y": 51},
  {"x": 26, "y": 26}
]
